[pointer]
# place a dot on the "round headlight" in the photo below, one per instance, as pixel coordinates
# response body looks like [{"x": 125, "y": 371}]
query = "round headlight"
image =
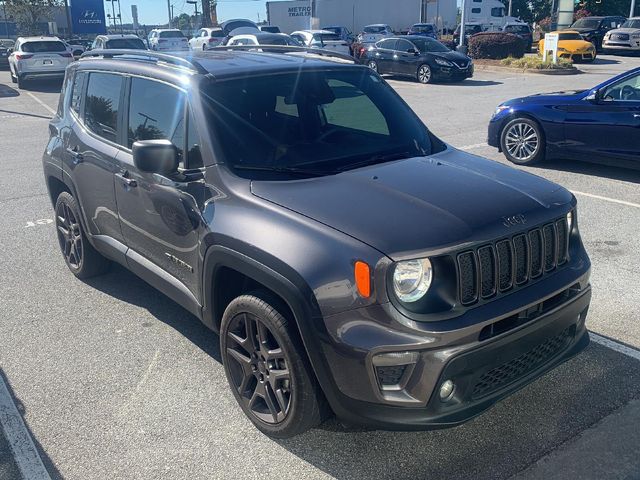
[{"x": 412, "y": 279}]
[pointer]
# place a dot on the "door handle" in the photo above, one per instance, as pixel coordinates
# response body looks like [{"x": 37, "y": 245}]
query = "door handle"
[
  {"x": 124, "y": 178},
  {"x": 77, "y": 156}
]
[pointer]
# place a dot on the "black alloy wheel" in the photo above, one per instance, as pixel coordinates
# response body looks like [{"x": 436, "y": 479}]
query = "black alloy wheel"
[{"x": 266, "y": 367}]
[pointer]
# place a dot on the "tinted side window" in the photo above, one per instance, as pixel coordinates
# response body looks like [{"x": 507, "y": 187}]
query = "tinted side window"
[
  {"x": 156, "y": 111},
  {"x": 102, "y": 104},
  {"x": 76, "y": 94},
  {"x": 387, "y": 44},
  {"x": 403, "y": 45}
]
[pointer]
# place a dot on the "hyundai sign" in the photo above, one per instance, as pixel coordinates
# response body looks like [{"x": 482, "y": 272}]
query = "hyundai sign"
[{"x": 87, "y": 16}]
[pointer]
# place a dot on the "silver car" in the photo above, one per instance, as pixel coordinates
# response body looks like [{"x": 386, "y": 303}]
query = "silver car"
[{"x": 627, "y": 37}]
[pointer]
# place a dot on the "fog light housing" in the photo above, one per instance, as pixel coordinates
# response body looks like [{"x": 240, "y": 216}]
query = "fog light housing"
[
  {"x": 392, "y": 368},
  {"x": 447, "y": 389}
]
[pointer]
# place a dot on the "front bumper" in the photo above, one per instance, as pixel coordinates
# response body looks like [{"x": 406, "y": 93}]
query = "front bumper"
[
  {"x": 483, "y": 370},
  {"x": 452, "y": 73},
  {"x": 630, "y": 45}
]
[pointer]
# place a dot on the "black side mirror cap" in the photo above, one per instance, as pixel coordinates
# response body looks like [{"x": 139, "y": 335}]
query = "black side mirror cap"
[
  {"x": 413, "y": 51},
  {"x": 155, "y": 156}
]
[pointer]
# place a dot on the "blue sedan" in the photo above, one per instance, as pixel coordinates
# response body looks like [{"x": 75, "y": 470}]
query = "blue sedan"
[{"x": 601, "y": 124}]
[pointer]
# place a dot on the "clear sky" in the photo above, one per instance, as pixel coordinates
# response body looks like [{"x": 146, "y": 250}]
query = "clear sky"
[{"x": 155, "y": 11}]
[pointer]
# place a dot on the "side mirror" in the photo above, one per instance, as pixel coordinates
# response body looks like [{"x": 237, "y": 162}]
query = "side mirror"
[
  {"x": 155, "y": 156},
  {"x": 413, "y": 51},
  {"x": 593, "y": 97}
]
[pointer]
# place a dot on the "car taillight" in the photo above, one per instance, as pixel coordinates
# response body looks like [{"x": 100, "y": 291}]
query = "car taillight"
[
  {"x": 66, "y": 55},
  {"x": 23, "y": 56}
]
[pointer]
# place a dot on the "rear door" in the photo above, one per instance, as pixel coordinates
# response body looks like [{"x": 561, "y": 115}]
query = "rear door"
[
  {"x": 159, "y": 215},
  {"x": 383, "y": 55},
  {"x": 610, "y": 127},
  {"x": 402, "y": 61},
  {"x": 91, "y": 148}
]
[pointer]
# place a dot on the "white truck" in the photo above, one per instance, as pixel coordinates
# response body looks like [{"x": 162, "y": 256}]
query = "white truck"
[
  {"x": 291, "y": 15},
  {"x": 490, "y": 14}
]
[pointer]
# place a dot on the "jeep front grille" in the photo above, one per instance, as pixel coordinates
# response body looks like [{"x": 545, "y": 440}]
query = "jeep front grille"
[{"x": 511, "y": 263}]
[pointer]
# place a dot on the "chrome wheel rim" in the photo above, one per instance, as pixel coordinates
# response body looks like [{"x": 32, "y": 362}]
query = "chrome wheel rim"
[
  {"x": 258, "y": 368},
  {"x": 521, "y": 141},
  {"x": 424, "y": 74},
  {"x": 69, "y": 235},
  {"x": 373, "y": 66}
]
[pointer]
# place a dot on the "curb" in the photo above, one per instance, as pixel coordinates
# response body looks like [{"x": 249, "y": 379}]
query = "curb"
[{"x": 495, "y": 68}]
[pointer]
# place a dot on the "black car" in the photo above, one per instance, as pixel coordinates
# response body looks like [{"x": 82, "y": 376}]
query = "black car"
[
  {"x": 5, "y": 49},
  {"x": 521, "y": 30},
  {"x": 469, "y": 31},
  {"x": 422, "y": 58},
  {"x": 593, "y": 29},
  {"x": 349, "y": 260}
]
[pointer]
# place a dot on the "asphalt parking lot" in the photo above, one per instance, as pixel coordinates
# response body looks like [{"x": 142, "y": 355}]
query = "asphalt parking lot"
[{"x": 114, "y": 380}]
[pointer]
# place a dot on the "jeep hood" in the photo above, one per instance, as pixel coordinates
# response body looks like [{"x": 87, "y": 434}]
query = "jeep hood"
[{"x": 406, "y": 207}]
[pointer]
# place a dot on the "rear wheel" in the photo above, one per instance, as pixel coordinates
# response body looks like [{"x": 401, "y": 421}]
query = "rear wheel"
[
  {"x": 373, "y": 65},
  {"x": 83, "y": 260},
  {"x": 266, "y": 367},
  {"x": 424, "y": 74},
  {"x": 522, "y": 141},
  {"x": 21, "y": 82},
  {"x": 204, "y": 47},
  {"x": 14, "y": 79}
]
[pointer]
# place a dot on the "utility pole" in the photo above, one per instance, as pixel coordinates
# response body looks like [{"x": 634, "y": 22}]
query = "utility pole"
[
  {"x": 463, "y": 18},
  {"x": 633, "y": 9},
  {"x": 169, "y": 12},
  {"x": 206, "y": 13},
  {"x": 510, "y": 5},
  {"x": 195, "y": 4},
  {"x": 68, "y": 14},
  {"x": 313, "y": 19}
]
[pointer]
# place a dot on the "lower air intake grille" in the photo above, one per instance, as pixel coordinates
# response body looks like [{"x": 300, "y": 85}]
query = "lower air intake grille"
[
  {"x": 502, "y": 375},
  {"x": 390, "y": 375}
]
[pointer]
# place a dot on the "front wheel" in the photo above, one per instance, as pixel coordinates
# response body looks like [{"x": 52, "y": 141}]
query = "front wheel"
[
  {"x": 266, "y": 368},
  {"x": 522, "y": 141},
  {"x": 373, "y": 65},
  {"x": 424, "y": 74}
]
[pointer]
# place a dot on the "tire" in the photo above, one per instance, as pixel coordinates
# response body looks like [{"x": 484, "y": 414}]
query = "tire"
[
  {"x": 204, "y": 47},
  {"x": 279, "y": 406},
  {"x": 83, "y": 260},
  {"x": 522, "y": 141},
  {"x": 373, "y": 65},
  {"x": 14, "y": 79},
  {"x": 424, "y": 74}
]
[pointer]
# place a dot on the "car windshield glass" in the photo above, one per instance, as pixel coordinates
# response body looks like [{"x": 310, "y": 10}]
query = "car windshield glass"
[
  {"x": 324, "y": 37},
  {"x": 171, "y": 34},
  {"x": 374, "y": 29},
  {"x": 7, "y": 43},
  {"x": 43, "y": 47},
  {"x": 275, "y": 40},
  {"x": 325, "y": 121},
  {"x": 569, "y": 36},
  {"x": 217, "y": 34},
  {"x": 633, "y": 23},
  {"x": 586, "y": 23},
  {"x": 422, "y": 28},
  {"x": 426, "y": 45},
  {"x": 127, "y": 43},
  {"x": 517, "y": 28}
]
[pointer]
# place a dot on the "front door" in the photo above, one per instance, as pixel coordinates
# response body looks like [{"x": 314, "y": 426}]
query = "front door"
[
  {"x": 91, "y": 149},
  {"x": 160, "y": 216},
  {"x": 404, "y": 62},
  {"x": 383, "y": 55},
  {"x": 609, "y": 127}
]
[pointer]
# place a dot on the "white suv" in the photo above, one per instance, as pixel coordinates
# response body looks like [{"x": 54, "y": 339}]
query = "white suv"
[
  {"x": 38, "y": 57},
  {"x": 627, "y": 37},
  {"x": 206, "y": 38},
  {"x": 167, "y": 40}
]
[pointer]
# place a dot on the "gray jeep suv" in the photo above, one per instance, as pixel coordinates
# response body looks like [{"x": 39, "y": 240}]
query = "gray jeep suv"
[{"x": 350, "y": 261}]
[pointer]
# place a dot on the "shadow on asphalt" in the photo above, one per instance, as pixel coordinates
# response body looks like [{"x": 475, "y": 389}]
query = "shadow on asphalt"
[
  {"x": 127, "y": 287},
  {"x": 8, "y": 469},
  {"x": 43, "y": 86},
  {"x": 7, "y": 91},
  {"x": 592, "y": 169},
  {"x": 463, "y": 83},
  {"x": 604, "y": 61}
]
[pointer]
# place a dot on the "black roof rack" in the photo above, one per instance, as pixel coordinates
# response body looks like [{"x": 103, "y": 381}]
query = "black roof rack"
[
  {"x": 285, "y": 49},
  {"x": 147, "y": 55}
]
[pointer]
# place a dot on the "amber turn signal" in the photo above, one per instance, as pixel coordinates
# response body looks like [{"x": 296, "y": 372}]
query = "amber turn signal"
[{"x": 363, "y": 278}]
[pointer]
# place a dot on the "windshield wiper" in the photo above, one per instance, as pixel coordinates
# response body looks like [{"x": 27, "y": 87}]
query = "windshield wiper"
[
  {"x": 281, "y": 169},
  {"x": 375, "y": 159}
]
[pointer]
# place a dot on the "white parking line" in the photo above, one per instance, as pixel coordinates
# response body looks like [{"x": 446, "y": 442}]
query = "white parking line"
[
  {"x": 46, "y": 107},
  {"x": 24, "y": 451},
  {"x": 607, "y": 199},
  {"x": 613, "y": 345}
]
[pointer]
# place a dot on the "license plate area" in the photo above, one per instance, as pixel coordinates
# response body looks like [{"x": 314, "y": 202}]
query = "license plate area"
[{"x": 47, "y": 62}]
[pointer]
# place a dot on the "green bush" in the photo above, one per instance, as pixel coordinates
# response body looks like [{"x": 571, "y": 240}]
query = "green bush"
[
  {"x": 536, "y": 63},
  {"x": 496, "y": 45}
]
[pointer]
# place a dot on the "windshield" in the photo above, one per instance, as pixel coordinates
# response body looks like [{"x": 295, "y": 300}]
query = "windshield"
[
  {"x": 517, "y": 28},
  {"x": 632, "y": 23},
  {"x": 321, "y": 120},
  {"x": 586, "y": 23},
  {"x": 324, "y": 37},
  {"x": 427, "y": 45},
  {"x": 7, "y": 43},
  {"x": 127, "y": 43},
  {"x": 276, "y": 40},
  {"x": 374, "y": 29},
  {"x": 171, "y": 34},
  {"x": 43, "y": 47},
  {"x": 569, "y": 36},
  {"x": 423, "y": 29}
]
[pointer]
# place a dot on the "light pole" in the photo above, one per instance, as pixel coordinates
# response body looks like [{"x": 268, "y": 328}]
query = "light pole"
[
  {"x": 633, "y": 8},
  {"x": 463, "y": 17},
  {"x": 169, "y": 12},
  {"x": 195, "y": 4}
]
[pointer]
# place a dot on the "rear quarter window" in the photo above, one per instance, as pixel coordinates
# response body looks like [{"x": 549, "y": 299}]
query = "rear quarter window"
[{"x": 102, "y": 104}]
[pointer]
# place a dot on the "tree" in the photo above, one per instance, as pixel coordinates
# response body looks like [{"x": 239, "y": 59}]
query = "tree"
[
  {"x": 529, "y": 10},
  {"x": 184, "y": 22},
  {"x": 28, "y": 13}
]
